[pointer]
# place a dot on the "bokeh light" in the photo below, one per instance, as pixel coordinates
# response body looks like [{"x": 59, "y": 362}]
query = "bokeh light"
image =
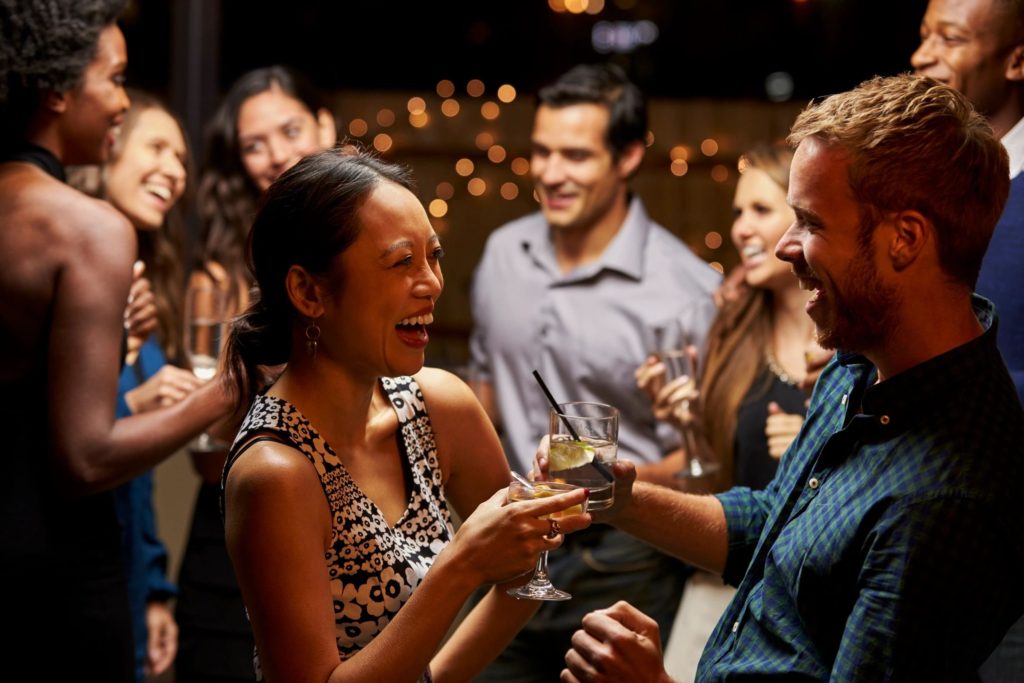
[
  {"x": 416, "y": 105},
  {"x": 382, "y": 142},
  {"x": 709, "y": 147},
  {"x": 445, "y": 88},
  {"x": 476, "y": 186},
  {"x": 484, "y": 141},
  {"x": 419, "y": 119},
  {"x": 679, "y": 152},
  {"x": 438, "y": 208},
  {"x": 464, "y": 166},
  {"x": 450, "y": 108},
  {"x": 719, "y": 173},
  {"x": 506, "y": 93},
  {"x": 475, "y": 88},
  {"x": 509, "y": 190},
  {"x": 385, "y": 118},
  {"x": 445, "y": 190},
  {"x": 496, "y": 154},
  {"x": 490, "y": 110},
  {"x": 679, "y": 167},
  {"x": 520, "y": 165},
  {"x": 357, "y": 128},
  {"x": 713, "y": 240}
]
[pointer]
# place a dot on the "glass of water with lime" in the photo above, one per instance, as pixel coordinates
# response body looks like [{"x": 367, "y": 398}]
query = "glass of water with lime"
[{"x": 581, "y": 433}]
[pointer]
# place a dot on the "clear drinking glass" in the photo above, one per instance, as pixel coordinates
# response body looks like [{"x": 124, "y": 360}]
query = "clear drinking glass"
[
  {"x": 682, "y": 363},
  {"x": 580, "y": 433},
  {"x": 540, "y": 586},
  {"x": 205, "y": 323}
]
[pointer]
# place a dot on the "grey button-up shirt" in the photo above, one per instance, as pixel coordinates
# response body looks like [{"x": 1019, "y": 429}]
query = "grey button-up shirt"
[{"x": 585, "y": 331}]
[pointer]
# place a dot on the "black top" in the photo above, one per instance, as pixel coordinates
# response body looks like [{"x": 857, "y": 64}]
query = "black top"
[
  {"x": 754, "y": 466},
  {"x": 37, "y": 156}
]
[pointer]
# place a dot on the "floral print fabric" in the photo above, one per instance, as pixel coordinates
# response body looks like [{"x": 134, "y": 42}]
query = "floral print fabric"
[{"x": 373, "y": 567}]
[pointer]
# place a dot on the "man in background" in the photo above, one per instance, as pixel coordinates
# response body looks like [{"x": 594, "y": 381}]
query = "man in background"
[
  {"x": 977, "y": 47},
  {"x": 583, "y": 291}
]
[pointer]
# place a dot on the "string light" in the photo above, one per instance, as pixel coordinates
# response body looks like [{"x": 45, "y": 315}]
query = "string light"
[
  {"x": 476, "y": 186},
  {"x": 438, "y": 208},
  {"x": 445, "y": 88},
  {"x": 450, "y": 108},
  {"x": 382, "y": 142}
]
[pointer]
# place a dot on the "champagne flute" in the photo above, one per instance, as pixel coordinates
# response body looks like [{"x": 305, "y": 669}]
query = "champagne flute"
[
  {"x": 205, "y": 312},
  {"x": 683, "y": 363},
  {"x": 540, "y": 586}
]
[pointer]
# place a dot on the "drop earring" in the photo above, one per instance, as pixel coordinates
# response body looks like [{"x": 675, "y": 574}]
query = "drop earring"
[{"x": 312, "y": 338}]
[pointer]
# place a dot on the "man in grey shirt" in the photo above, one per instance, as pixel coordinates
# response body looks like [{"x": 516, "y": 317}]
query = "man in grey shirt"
[{"x": 582, "y": 291}]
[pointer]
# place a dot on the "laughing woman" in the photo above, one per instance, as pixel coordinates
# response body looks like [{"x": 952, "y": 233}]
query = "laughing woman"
[
  {"x": 338, "y": 486},
  {"x": 145, "y": 180}
]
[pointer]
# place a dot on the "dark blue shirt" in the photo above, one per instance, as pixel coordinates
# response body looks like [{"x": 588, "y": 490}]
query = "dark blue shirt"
[{"x": 890, "y": 546}]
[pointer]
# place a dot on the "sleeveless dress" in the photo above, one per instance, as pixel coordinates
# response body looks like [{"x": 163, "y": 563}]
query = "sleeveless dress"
[{"x": 373, "y": 567}]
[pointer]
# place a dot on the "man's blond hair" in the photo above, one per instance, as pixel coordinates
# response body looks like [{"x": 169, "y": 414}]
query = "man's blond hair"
[{"x": 914, "y": 143}]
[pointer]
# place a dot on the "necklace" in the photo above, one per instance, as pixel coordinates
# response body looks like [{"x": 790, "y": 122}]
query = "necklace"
[{"x": 777, "y": 370}]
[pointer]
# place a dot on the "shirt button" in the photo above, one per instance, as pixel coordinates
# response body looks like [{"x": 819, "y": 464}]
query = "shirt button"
[
  {"x": 884, "y": 419},
  {"x": 814, "y": 483},
  {"x": 735, "y": 626},
  {"x": 842, "y": 401}
]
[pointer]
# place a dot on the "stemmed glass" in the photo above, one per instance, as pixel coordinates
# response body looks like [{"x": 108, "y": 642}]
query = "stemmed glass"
[
  {"x": 682, "y": 363},
  {"x": 540, "y": 586},
  {"x": 205, "y": 313}
]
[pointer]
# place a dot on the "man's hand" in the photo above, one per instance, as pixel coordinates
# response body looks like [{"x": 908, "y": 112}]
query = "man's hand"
[
  {"x": 163, "y": 638},
  {"x": 619, "y": 644}
]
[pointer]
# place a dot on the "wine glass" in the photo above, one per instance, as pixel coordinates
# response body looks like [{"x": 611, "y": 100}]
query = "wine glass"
[
  {"x": 205, "y": 313},
  {"x": 540, "y": 586},
  {"x": 582, "y": 433},
  {"x": 682, "y": 363}
]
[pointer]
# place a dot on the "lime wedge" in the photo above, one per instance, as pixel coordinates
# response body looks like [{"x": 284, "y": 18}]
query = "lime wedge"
[{"x": 566, "y": 455}]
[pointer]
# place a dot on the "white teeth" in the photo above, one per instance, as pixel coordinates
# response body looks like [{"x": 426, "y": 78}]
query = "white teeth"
[
  {"x": 418, "y": 320},
  {"x": 161, "y": 191},
  {"x": 752, "y": 250}
]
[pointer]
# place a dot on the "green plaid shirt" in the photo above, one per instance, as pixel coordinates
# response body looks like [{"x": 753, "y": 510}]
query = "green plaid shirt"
[{"x": 890, "y": 545}]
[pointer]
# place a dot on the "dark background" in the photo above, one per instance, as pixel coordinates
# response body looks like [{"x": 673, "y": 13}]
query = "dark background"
[{"x": 705, "y": 48}]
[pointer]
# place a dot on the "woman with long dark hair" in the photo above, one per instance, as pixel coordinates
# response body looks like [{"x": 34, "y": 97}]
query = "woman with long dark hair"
[{"x": 339, "y": 488}]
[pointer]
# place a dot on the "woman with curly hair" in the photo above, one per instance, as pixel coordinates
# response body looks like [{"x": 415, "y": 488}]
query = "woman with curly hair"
[{"x": 65, "y": 272}]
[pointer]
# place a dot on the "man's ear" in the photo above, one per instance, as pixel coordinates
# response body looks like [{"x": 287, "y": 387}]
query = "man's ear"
[
  {"x": 327, "y": 129},
  {"x": 1015, "y": 64},
  {"x": 304, "y": 292},
  {"x": 56, "y": 102},
  {"x": 630, "y": 158},
  {"x": 911, "y": 234}
]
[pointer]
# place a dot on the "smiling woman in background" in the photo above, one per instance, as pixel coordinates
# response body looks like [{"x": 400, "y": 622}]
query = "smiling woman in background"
[
  {"x": 752, "y": 394},
  {"x": 145, "y": 180},
  {"x": 268, "y": 120}
]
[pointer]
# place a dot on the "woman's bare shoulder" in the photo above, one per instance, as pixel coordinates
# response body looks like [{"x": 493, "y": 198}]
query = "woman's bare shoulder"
[{"x": 443, "y": 388}]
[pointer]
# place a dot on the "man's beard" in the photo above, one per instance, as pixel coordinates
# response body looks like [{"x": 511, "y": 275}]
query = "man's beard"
[{"x": 864, "y": 316}]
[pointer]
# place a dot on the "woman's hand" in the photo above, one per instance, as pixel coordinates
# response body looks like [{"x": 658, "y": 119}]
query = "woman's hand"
[
  {"x": 140, "y": 312},
  {"x": 781, "y": 429},
  {"x": 501, "y": 540},
  {"x": 169, "y": 385},
  {"x": 163, "y": 638}
]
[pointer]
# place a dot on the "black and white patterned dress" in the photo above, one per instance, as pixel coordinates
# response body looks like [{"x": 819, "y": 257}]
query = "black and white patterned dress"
[{"x": 373, "y": 567}]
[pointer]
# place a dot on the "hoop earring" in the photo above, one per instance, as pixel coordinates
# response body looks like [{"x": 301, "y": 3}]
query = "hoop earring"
[{"x": 312, "y": 337}]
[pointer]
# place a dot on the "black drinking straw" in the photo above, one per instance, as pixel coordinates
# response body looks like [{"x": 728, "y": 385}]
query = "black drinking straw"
[{"x": 598, "y": 465}]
